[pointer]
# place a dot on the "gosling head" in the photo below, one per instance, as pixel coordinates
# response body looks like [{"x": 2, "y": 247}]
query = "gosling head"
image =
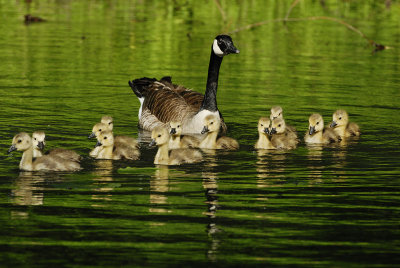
[
  {"x": 316, "y": 123},
  {"x": 263, "y": 125},
  {"x": 175, "y": 128},
  {"x": 108, "y": 121},
  {"x": 278, "y": 126},
  {"x": 97, "y": 129},
  {"x": 223, "y": 45},
  {"x": 159, "y": 136},
  {"x": 105, "y": 139},
  {"x": 39, "y": 140},
  {"x": 339, "y": 118},
  {"x": 276, "y": 112},
  {"x": 21, "y": 142},
  {"x": 211, "y": 124}
]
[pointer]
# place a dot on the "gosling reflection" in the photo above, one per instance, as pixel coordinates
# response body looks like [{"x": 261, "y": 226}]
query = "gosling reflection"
[
  {"x": 315, "y": 166},
  {"x": 102, "y": 178},
  {"x": 159, "y": 185},
  {"x": 270, "y": 168}
]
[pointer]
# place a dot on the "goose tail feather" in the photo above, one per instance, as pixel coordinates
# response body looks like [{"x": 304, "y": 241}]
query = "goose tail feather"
[{"x": 139, "y": 86}]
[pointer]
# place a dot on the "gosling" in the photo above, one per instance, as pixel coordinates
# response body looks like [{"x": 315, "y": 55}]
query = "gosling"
[
  {"x": 277, "y": 112},
  {"x": 109, "y": 150},
  {"x": 177, "y": 141},
  {"x": 164, "y": 156},
  {"x": 23, "y": 142},
  {"x": 263, "y": 132},
  {"x": 39, "y": 142},
  {"x": 317, "y": 134},
  {"x": 282, "y": 138},
  {"x": 109, "y": 122},
  {"x": 211, "y": 127},
  {"x": 341, "y": 125}
]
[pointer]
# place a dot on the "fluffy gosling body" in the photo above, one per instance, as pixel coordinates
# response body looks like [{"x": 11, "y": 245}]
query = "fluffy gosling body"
[
  {"x": 39, "y": 142},
  {"x": 23, "y": 142},
  {"x": 160, "y": 137},
  {"x": 341, "y": 125},
  {"x": 263, "y": 141},
  {"x": 211, "y": 127},
  {"x": 317, "y": 133},
  {"x": 277, "y": 112},
  {"x": 177, "y": 141},
  {"x": 281, "y": 137},
  {"x": 109, "y": 150}
]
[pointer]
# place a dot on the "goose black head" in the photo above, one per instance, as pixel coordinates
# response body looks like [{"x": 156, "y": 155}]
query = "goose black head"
[{"x": 223, "y": 45}]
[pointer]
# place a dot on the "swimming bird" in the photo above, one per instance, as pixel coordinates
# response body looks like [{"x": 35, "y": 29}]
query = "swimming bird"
[
  {"x": 177, "y": 140},
  {"x": 342, "y": 126},
  {"x": 277, "y": 112},
  {"x": 281, "y": 137},
  {"x": 109, "y": 150},
  {"x": 263, "y": 132},
  {"x": 317, "y": 133},
  {"x": 39, "y": 142},
  {"x": 23, "y": 142},
  {"x": 162, "y": 102},
  {"x": 211, "y": 126},
  {"x": 164, "y": 156}
]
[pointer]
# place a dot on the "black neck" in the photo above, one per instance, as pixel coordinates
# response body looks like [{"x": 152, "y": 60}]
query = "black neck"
[{"x": 210, "y": 97}]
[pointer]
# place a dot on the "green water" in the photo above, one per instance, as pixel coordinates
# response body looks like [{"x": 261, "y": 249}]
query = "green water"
[{"x": 336, "y": 206}]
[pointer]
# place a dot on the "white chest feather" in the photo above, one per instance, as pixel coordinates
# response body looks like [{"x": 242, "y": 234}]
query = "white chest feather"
[{"x": 196, "y": 124}]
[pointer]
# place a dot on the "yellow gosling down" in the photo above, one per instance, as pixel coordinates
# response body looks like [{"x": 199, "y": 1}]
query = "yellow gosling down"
[
  {"x": 282, "y": 138},
  {"x": 177, "y": 141},
  {"x": 317, "y": 133},
  {"x": 277, "y": 112},
  {"x": 23, "y": 142},
  {"x": 39, "y": 142},
  {"x": 108, "y": 149},
  {"x": 211, "y": 127},
  {"x": 341, "y": 125},
  {"x": 160, "y": 137},
  {"x": 263, "y": 132}
]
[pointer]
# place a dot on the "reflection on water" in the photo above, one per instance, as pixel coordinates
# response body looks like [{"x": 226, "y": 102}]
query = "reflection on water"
[
  {"x": 270, "y": 167},
  {"x": 101, "y": 182},
  {"x": 158, "y": 189}
]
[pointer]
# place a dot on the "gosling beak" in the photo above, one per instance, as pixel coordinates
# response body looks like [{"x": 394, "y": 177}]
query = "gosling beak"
[
  {"x": 333, "y": 124},
  {"x": 266, "y": 130},
  {"x": 312, "y": 130},
  {"x": 92, "y": 135},
  {"x": 152, "y": 143},
  {"x": 12, "y": 148},
  {"x": 40, "y": 145},
  {"x": 273, "y": 131},
  {"x": 98, "y": 144},
  {"x": 205, "y": 130},
  {"x": 172, "y": 131}
]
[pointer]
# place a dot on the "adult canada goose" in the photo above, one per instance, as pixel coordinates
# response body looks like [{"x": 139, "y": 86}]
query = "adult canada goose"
[
  {"x": 39, "y": 142},
  {"x": 211, "y": 126},
  {"x": 177, "y": 141},
  {"x": 162, "y": 102},
  {"x": 342, "y": 126},
  {"x": 317, "y": 133},
  {"x": 109, "y": 150},
  {"x": 282, "y": 138},
  {"x": 277, "y": 112},
  {"x": 23, "y": 142},
  {"x": 263, "y": 132},
  {"x": 164, "y": 156}
]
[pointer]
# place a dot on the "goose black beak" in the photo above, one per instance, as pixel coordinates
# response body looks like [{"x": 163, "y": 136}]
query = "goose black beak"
[
  {"x": 12, "y": 148},
  {"x": 273, "y": 131},
  {"x": 173, "y": 131},
  {"x": 92, "y": 135},
  {"x": 205, "y": 130},
  {"x": 232, "y": 50},
  {"x": 266, "y": 130},
  {"x": 98, "y": 144},
  {"x": 333, "y": 124},
  {"x": 152, "y": 143},
  {"x": 40, "y": 145},
  {"x": 312, "y": 130}
]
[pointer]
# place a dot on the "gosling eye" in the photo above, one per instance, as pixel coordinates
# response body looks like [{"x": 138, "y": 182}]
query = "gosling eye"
[
  {"x": 211, "y": 123},
  {"x": 159, "y": 135},
  {"x": 110, "y": 123},
  {"x": 317, "y": 123},
  {"x": 279, "y": 125},
  {"x": 179, "y": 126},
  {"x": 19, "y": 141},
  {"x": 340, "y": 118},
  {"x": 100, "y": 129},
  {"x": 279, "y": 114},
  {"x": 262, "y": 125},
  {"x": 105, "y": 138},
  {"x": 34, "y": 138}
]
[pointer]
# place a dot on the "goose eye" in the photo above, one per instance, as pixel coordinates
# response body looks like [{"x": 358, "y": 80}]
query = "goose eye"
[{"x": 159, "y": 135}]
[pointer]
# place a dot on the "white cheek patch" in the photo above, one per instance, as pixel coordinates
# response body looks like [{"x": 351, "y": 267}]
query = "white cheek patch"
[
  {"x": 217, "y": 50},
  {"x": 141, "y": 106}
]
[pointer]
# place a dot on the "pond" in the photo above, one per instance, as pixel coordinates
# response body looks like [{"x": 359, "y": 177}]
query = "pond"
[{"x": 323, "y": 206}]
